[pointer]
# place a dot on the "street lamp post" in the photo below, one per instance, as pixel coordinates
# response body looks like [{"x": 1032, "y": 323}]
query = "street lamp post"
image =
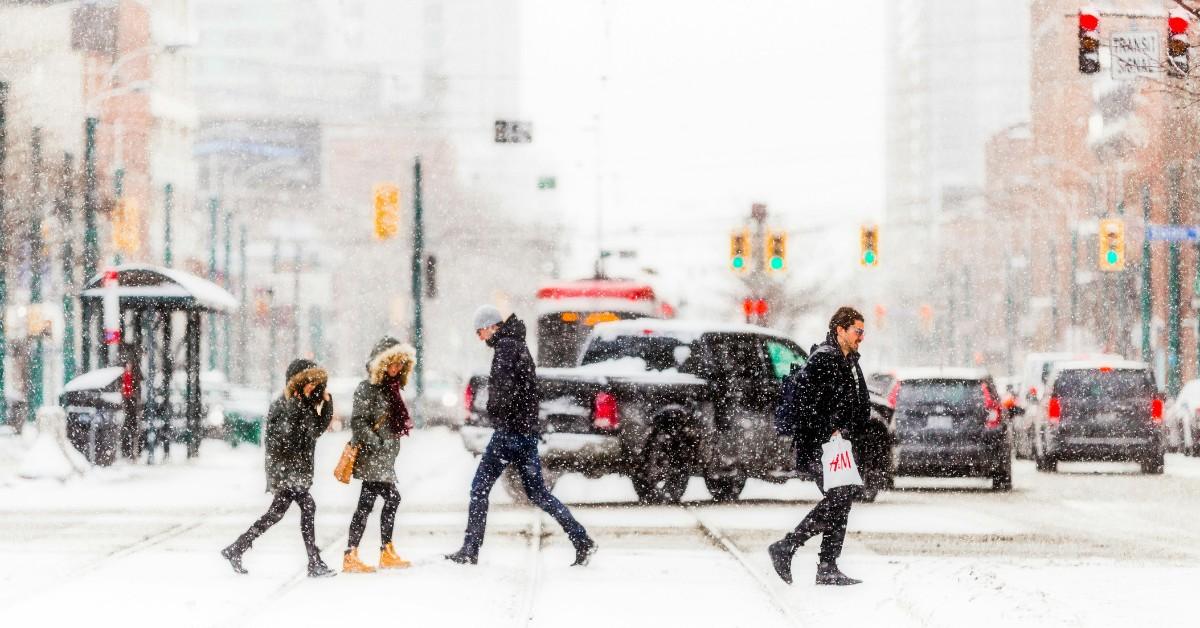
[{"x": 66, "y": 199}]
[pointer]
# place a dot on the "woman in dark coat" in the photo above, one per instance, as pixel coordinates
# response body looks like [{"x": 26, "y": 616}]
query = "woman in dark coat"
[
  {"x": 296, "y": 419},
  {"x": 379, "y": 419}
]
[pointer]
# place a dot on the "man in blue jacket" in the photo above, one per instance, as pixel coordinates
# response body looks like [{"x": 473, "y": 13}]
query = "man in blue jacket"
[
  {"x": 828, "y": 396},
  {"x": 513, "y": 408}
]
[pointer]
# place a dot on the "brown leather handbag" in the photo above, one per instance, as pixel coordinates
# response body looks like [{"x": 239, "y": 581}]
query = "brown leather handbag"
[{"x": 344, "y": 470}]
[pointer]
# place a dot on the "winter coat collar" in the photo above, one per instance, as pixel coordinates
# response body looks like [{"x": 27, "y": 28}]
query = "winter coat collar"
[
  {"x": 831, "y": 340},
  {"x": 512, "y": 329}
]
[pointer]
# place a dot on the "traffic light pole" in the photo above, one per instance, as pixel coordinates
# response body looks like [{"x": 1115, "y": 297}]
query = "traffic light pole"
[
  {"x": 168, "y": 205},
  {"x": 3, "y": 249},
  {"x": 418, "y": 253},
  {"x": 227, "y": 345},
  {"x": 242, "y": 339},
  {"x": 36, "y": 380},
  {"x": 1175, "y": 174},
  {"x": 91, "y": 240},
  {"x": 66, "y": 199},
  {"x": 1146, "y": 277}
]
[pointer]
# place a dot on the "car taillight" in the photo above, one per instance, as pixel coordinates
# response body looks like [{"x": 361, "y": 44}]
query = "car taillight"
[
  {"x": 604, "y": 412},
  {"x": 994, "y": 413},
  {"x": 894, "y": 395},
  {"x": 1156, "y": 410},
  {"x": 1054, "y": 410},
  {"x": 469, "y": 398}
]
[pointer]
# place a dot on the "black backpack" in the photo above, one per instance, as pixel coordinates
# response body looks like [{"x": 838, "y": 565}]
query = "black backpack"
[{"x": 785, "y": 412}]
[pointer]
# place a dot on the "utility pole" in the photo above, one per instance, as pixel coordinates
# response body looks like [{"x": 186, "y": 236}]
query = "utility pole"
[
  {"x": 758, "y": 213},
  {"x": 227, "y": 346},
  {"x": 272, "y": 323},
  {"x": 213, "y": 204},
  {"x": 91, "y": 242},
  {"x": 3, "y": 249},
  {"x": 418, "y": 253},
  {"x": 168, "y": 205},
  {"x": 35, "y": 380},
  {"x": 1146, "y": 277},
  {"x": 66, "y": 198},
  {"x": 242, "y": 340},
  {"x": 1074, "y": 326},
  {"x": 1174, "y": 175},
  {"x": 296, "y": 262}
]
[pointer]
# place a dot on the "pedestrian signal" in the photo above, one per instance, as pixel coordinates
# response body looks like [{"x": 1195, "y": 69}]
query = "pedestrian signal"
[
  {"x": 739, "y": 250},
  {"x": 869, "y": 244},
  {"x": 776, "y": 252},
  {"x": 1112, "y": 245},
  {"x": 387, "y": 210}
]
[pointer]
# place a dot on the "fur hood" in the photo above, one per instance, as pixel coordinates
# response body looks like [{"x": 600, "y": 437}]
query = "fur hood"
[
  {"x": 387, "y": 352},
  {"x": 311, "y": 375}
]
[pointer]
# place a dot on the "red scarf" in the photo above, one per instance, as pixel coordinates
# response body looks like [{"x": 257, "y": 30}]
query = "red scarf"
[{"x": 398, "y": 417}]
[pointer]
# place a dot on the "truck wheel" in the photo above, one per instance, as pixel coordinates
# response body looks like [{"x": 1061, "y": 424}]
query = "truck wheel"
[
  {"x": 1154, "y": 464},
  {"x": 661, "y": 478},
  {"x": 726, "y": 489},
  {"x": 516, "y": 489}
]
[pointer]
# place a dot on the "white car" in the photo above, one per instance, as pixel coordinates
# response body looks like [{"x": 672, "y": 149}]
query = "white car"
[{"x": 1183, "y": 420}]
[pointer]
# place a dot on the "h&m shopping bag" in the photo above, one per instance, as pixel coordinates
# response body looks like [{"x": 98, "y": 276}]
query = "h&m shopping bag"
[{"x": 837, "y": 464}]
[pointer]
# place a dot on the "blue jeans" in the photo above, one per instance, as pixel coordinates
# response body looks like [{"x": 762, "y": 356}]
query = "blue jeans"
[{"x": 504, "y": 449}]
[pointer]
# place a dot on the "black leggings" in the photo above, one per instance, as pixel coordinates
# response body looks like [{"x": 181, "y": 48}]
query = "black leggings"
[
  {"x": 387, "y": 518},
  {"x": 283, "y": 500}
]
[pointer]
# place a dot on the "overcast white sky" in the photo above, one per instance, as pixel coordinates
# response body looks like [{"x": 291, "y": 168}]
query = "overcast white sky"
[{"x": 708, "y": 107}]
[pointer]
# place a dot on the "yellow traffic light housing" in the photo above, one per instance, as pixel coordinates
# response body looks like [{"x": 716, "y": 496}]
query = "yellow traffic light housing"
[
  {"x": 739, "y": 250},
  {"x": 127, "y": 226},
  {"x": 387, "y": 210},
  {"x": 775, "y": 258},
  {"x": 1112, "y": 245},
  {"x": 868, "y": 238}
]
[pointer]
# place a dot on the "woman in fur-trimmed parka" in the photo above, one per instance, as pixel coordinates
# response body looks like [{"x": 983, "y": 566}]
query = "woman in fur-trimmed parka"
[
  {"x": 294, "y": 422},
  {"x": 379, "y": 419}
]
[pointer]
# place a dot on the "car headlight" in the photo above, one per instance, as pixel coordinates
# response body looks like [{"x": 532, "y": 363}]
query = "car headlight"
[{"x": 449, "y": 400}]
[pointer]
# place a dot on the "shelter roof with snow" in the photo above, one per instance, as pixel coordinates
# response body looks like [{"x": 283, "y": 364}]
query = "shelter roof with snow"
[{"x": 156, "y": 286}]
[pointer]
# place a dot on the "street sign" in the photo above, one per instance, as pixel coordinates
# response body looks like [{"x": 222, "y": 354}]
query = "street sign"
[
  {"x": 513, "y": 132},
  {"x": 1134, "y": 54},
  {"x": 1173, "y": 233},
  {"x": 112, "y": 308}
]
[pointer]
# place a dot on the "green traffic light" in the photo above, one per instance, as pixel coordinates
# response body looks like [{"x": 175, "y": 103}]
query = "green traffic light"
[
  {"x": 738, "y": 262},
  {"x": 1111, "y": 258},
  {"x": 869, "y": 258},
  {"x": 776, "y": 263}
]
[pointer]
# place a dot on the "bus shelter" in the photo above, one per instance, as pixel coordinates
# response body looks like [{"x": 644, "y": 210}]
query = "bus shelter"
[{"x": 161, "y": 314}]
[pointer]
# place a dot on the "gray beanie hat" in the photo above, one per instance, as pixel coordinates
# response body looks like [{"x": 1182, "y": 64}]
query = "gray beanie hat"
[{"x": 486, "y": 316}]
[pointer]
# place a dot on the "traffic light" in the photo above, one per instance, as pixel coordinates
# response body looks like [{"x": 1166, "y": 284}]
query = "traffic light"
[
  {"x": 776, "y": 253},
  {"x": 869, "y": 243},
  {"x": 1089, "y": 40},
  {"x": 1177, "y": 44},
  {"x": 739, "y": 250},
  {"x": 127, "y": 226},
  {"x": 1112, "y": 245},
  {"x": 387, "y": 210}
]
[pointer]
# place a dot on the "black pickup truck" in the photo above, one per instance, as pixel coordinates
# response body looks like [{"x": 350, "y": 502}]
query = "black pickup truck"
[{"x": 660, "y": 401}]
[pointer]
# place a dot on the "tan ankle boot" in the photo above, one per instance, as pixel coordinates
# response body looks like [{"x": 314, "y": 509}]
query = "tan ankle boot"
[
  {"x": 351, "y": 563},
  {"x": 389, "y": 559}
]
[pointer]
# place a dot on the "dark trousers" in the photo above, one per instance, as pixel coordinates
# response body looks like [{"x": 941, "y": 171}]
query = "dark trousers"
[
  {"x": 283, "y": 500},
  {"x": 387, "y": 518},
  {"x": 519, "y": 450},
  {"x": 828, "y": 518}
]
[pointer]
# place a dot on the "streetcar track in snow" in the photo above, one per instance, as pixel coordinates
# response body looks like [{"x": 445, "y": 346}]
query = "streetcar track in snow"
[
  {"x": 722, "y": 542},
  {"x": 534, "y": 569}
]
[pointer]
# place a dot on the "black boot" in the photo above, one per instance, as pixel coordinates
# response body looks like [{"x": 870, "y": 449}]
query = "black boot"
[
  {"x": 828, "y": 573},
  {"x": 781, "y": 557},
  {"x": 463, "y": 557},
  {"x": 318, "y": 569},
  {"x": 233, "y": 554},
  {"x": 584, "y": 552}
]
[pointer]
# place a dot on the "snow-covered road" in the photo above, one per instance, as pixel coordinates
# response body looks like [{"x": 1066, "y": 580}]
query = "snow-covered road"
[{"x": 1095, "y": 545}]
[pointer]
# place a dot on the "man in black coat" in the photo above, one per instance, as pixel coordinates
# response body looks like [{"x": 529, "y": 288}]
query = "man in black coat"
[
  {"x": 513, "y": 408},
  {"x": 829, "y": 397}
]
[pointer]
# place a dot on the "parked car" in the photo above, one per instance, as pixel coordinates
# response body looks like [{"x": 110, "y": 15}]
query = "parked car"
[
  {"x": 659, "y": 401},
  {"x": 441, "y": 403},
  {"x": 1032, "y": 392},
  {"x": 950, "y": 423},
  {"x": 1182, "y": 421},
  {"x": 1100, "y": 410}
]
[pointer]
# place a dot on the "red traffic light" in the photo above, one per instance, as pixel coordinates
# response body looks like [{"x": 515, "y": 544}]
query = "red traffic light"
[
  {"x": 1178, "y": 24},
  {"x": 754, "y": 307},
  {"x": 1089, "y": 19}
]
